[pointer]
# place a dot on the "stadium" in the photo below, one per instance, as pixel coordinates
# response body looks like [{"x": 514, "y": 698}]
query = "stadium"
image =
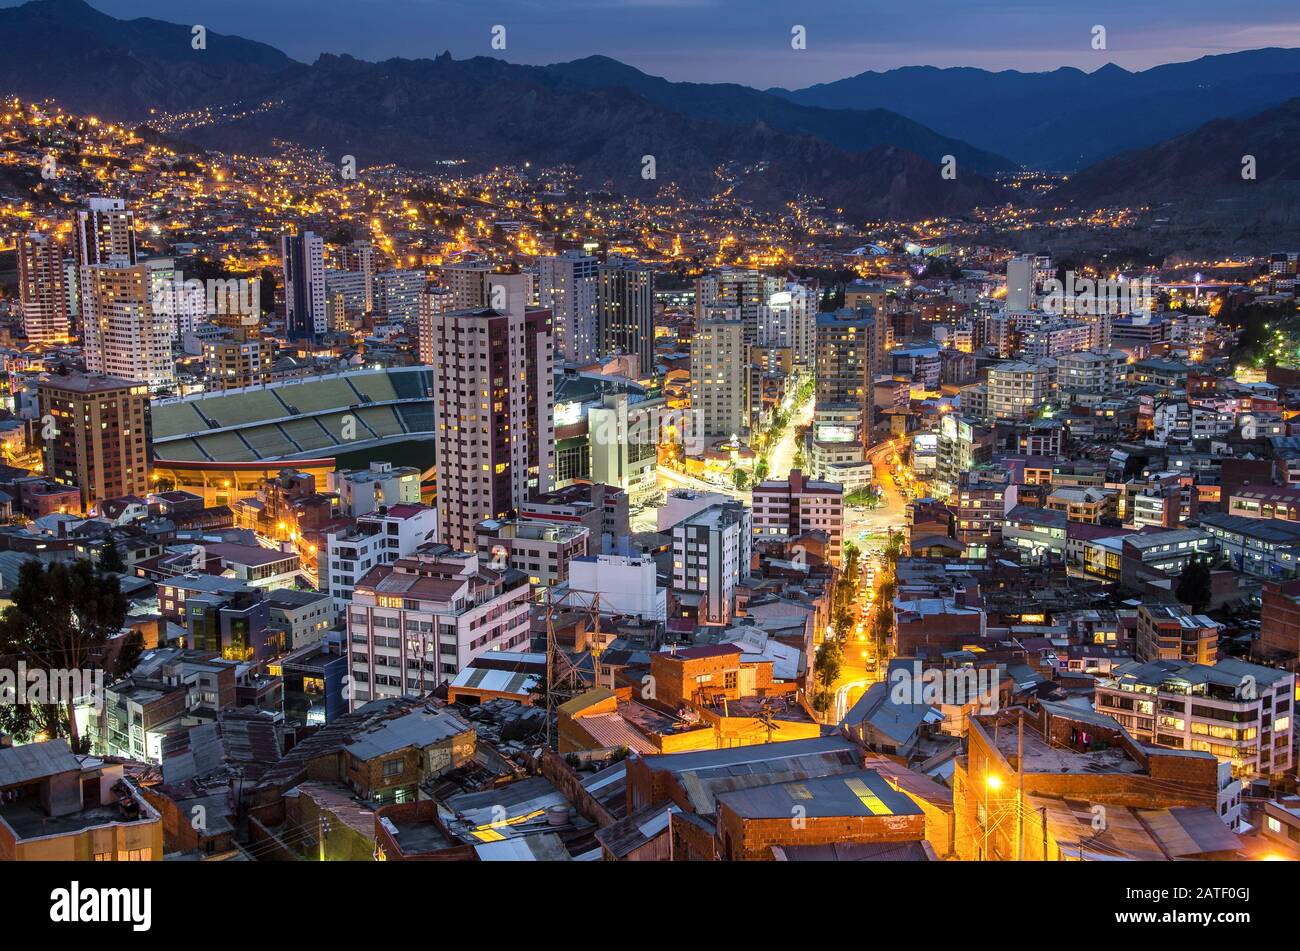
[{"x": 222, "y": 445}]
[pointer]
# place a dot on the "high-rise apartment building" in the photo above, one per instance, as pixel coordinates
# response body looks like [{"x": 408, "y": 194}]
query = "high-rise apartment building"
[
  {"x": 466, "y": 281},
  {"x": 303, "y": 257},
  {"x": 181, "y": 304},
  {"x": 719, "y": 380},
  {"x": 1020, "y": 283},
  {"x": 397, "y": 294},
  {"x": 1025, "y": 274},
  {"x": 748, "y": 291},
  {"x": 789, "y": 320},
  {"x": 105, "y": 232},
  {"x": 433, "y": 302},
  {"x": 849, "y": 356},
  {"x": 348, "y": 297},
  {"x": 871, "y": 294},
  {"x": 494, "y": 413},
  {"x": 102, "y": 441},
  {"x": 569, "y": 288},
  {"x": 42, "y": 288},
  {"x": 124, "y": 334},
  {"x": 239, "y": 360},
  {"x": 711, "y": 556},
  {"x": 626, "y": 310},
  {"x": 360, "y": 257}
]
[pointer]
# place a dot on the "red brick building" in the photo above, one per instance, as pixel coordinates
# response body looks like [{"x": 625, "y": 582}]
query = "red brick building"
[{"x": 1279, "y": 636}]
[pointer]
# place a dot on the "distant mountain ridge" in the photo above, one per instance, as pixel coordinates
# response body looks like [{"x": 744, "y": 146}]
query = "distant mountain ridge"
[
  {"x": 595, "y": 114},
  {"x": 1208, "y": 160},
  {"x": 94, "y": 63},
  {"x": 850, "y": 128},
  {"x": 1193, "y": 183},
  {"x": 1067, "y": 119},
  {"x": 850, "y": 142},
  {"x": 489, "y": 111}
]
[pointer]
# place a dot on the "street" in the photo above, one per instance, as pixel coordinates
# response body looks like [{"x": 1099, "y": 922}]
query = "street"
[
  {"x": 781, "y": 459},
  {"x": 780, "y": 462},
  {"x": 869, "y": 528}
]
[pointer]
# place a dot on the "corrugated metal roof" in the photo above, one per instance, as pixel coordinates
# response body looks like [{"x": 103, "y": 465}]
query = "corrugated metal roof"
[
  {"x": 611, "y": 730},
  {"x": 863, "y": 793},
  {"x": 856, "y": 852},
  {"x": 542, "y": 847},
  {"x": 23, "y": 764},
  {"x": 632, "y": 832},
  {"x": 1190, "y": 830},
  {"x": 418, "y": 728}
]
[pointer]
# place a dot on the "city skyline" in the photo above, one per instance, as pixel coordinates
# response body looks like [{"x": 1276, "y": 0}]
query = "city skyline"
[{"x": 464, "y": 461}]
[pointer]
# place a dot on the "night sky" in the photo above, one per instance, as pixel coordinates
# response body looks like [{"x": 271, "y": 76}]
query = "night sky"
[{"x": 748, "y": 41}]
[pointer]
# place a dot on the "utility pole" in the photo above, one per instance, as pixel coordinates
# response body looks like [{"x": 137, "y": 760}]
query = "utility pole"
[
  {"x": 1020, "y": 786},
  {"x": 322, "y": 830},
  {"x": 984, "y": 853}
]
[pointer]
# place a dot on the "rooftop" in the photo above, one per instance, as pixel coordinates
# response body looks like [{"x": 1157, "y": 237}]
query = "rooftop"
[
  {"x": 1275, "y": 530},
  {"x": 29, "y": 821},
  {"x": 33, "y": 761},
  {"x": 419, "y": 728},
  {"x": 1042, "y": 756},
  {"x": 861, "y": 793}
]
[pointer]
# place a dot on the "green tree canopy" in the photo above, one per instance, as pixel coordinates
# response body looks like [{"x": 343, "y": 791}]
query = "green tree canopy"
[
  {"x": 1193, "y": 585},
  {"x": 62, "y": 618},
  {"x": 110, "y": 558},
  {"x": 827, "y": 663}
]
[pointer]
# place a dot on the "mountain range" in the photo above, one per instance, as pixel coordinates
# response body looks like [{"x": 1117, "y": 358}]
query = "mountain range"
[
  {"x": 870, "y": 144},
  {"x": 593, "y": 114},
  {"x": 1066, "y": 119}
]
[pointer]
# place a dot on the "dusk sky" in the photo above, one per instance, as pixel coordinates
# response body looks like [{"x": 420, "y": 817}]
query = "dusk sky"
[{"x": 748, "y": 41}]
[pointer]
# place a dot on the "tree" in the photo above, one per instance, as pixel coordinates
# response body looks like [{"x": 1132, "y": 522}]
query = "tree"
[
  {"x": 846, "y": 588},
  {"x": 110, "y": 558},
  {"x": 23, "y": 722},
  {"x": 842, "y": 620},
  {"x": 741, "y": 478},
  {"x": 826, "y": 665},
  {"x": 1193, "y": 587},
  {"x": 894, "y": 547},
  {"x": 266, "y": 296},
  {"x": 883, "y": 628},
  {"x": 61, "y": 620},
  {"x": 852, "y": 562}
]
